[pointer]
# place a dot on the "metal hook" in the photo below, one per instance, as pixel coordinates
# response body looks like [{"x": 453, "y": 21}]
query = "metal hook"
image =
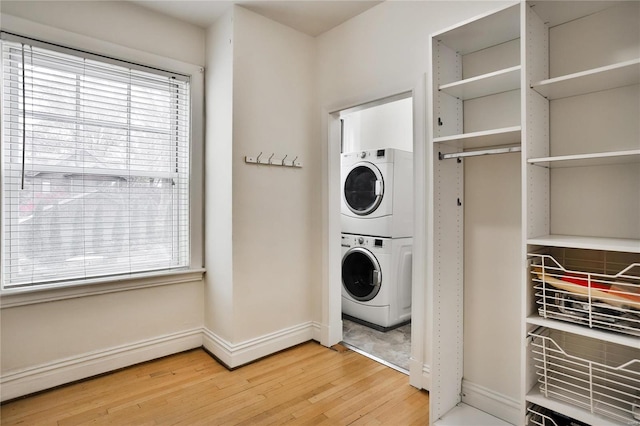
[
  {"x": 294, "y": 160},
  {"x": 284, "y": 159},
  {"x": 270, "y": 162},
  {"x": 258, "y": 157}
]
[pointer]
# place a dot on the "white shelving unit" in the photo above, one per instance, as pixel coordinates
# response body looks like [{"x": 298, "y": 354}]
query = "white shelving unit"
[
  {"x": 488, "y": 30},
  {"x": 620, "y": 339},
  {"x": 622, "y": 74},
  {"x": 594, "y": 159},
  {"x": 587, "y": 243},
  {"x": 583, "y": 65},
  {"x": 486, "y": 138},
  {"x": 559, "y": 82},
  {"x": 484, "y": 85},
  {"x": 474, "y": 107}
]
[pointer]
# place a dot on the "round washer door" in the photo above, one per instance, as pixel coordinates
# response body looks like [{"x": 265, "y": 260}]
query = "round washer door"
[
  {"x": 363, "y": 188},
  {"x": 361, "y": 275}
]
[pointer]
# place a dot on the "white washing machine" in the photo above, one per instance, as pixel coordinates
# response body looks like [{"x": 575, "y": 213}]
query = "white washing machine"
[
  {"x": 377, "y": 193},
  {"x": 376, "y": 279}
]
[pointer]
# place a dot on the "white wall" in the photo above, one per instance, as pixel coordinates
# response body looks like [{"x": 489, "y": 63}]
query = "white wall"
[
  {"x": 119, "y": 22},
  {"x": 492, "y": 268},
  {"x": 274, "y": 99},
  {"x": 389, "y": 125},
  {"x": 35, "y": 334},
  {"x": 48, "y": 343},
  {"x": 380, "y": 53},
  {"x": 260, "y": 283},
  {"x": 218, "y": 178},
  {"x": 383, "y": 51}
]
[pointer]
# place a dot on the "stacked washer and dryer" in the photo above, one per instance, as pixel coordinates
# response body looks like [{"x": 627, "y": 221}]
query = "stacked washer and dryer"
[{"x": 377, "y": 226}]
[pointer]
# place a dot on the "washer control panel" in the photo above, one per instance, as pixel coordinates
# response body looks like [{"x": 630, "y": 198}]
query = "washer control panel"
[
  {"x": 372, "y": 154},
  {"x": 362, "y": 241}
]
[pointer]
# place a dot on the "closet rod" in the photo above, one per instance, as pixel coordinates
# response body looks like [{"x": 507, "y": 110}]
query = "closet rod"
[{"x": 503, "y": 150}]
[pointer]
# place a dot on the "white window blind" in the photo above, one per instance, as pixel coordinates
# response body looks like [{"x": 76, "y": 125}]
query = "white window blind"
[{"x": 95, "y": 167}]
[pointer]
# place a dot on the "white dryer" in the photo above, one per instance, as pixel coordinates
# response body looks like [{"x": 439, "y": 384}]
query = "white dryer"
[
  {"x": 376, "y": 279},
  {"x": 377, "y": 193}
]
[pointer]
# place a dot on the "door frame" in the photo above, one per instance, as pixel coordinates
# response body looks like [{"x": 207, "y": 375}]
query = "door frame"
[{"x": 331, "y": 328}]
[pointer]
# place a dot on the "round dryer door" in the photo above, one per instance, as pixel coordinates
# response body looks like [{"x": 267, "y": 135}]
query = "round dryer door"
[
  {"x": 361, "y": 275},
  {"x": 363, "y": 188}
]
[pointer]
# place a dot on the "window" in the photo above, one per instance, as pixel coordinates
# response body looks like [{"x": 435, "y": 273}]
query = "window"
[{"x": 95, "y": 166}]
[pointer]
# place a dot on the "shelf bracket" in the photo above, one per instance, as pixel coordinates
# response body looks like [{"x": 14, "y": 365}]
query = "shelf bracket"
[{"x": 491, "y": 151}]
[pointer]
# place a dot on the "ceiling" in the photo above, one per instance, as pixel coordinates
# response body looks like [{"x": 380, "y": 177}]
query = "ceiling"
[{"x": 311, "y": 17}]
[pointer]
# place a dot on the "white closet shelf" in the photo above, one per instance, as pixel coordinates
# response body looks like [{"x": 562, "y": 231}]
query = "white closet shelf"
[
  {"x": 554, "y": 13},
  {"x": 594, "y": 80},
  {"x": 613, "y": 337},
  {"x": 484, "y": 139},
  {"x": 484, "y": 85},
  {"x": 592, "y": 243},
  {"x": 479, "y": 33},
  {"x": 536, "y": 397},
  {"x": 594, "y": 159}
]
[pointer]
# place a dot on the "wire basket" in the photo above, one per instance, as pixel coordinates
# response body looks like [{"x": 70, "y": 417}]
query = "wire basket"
[
  {"x": 598, "y": 376},
  {"x": 541, "y": 416},
  {"x": 596, "y": 300}
]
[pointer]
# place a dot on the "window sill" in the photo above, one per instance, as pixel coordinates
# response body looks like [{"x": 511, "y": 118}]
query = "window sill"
[{"x": 10, "y": 298}]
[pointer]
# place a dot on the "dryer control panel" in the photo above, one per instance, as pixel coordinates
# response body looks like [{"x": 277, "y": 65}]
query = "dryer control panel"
[
  {"x": 362, "y": 241},
  {"x": 376, "y": 156}
]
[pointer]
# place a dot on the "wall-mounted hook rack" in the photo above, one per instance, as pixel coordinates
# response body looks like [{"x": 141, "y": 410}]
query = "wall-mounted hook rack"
[{"x": 272, "y": 160}]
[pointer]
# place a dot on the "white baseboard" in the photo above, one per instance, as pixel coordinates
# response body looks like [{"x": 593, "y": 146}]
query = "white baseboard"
[
  {"x": 237, "y": 354},
  {"x": 318, "y": 333},
  {"x": 34, "y": 379},
  {"x": 419, "y": 374},
  {"x": 489, "y": 401},
  {"x": 14, "y": 384},
  {"x": 326, "y": 335}
]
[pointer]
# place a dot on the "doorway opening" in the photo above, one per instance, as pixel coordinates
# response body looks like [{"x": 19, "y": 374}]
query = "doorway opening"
[{"x": 376, "y": 229}]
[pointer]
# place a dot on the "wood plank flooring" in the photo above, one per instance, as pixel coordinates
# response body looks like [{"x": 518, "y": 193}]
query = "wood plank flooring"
[{"x": 305, "y": 385}]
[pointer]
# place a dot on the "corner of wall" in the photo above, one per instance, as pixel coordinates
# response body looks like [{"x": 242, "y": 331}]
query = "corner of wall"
[
  {"x": 234, "y": 355},
  {"x": 218, "y": 193},
  {"x": 489, "y": 401}
]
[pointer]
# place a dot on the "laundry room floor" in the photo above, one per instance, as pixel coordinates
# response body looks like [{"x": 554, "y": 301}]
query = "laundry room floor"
[{"x": 393, "y": 346}]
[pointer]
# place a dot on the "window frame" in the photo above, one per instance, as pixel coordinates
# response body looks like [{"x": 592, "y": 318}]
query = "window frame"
[{"x": 79, "y": 288}]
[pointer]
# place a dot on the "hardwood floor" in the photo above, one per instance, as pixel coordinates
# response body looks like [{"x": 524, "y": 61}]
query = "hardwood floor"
[{"x": 307, "y": 385}]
